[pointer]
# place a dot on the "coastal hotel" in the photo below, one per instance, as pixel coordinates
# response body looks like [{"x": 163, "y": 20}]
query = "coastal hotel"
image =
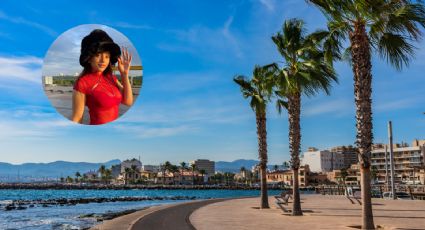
[
  {"x": 409, "y": 162},
  {"x": 324, "y": 166}
]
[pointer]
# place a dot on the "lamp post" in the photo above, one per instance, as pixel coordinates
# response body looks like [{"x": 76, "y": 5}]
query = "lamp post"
[{"x": 390, "y": 136}]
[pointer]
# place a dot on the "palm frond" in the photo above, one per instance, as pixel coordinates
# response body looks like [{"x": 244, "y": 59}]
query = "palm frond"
[
  {"x": 395, "y": 49},
  {"x": 281, "y": 104}
]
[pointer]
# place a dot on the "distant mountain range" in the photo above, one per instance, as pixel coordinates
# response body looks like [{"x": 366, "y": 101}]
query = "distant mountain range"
[
  {"x": 28, "y": 171},
  {"x": 54, "y": 170}
]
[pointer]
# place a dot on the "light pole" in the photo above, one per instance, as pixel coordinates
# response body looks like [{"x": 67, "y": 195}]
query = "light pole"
[
  {"x": 390, "y": 136},
  {"x": 386, "y": 169}
]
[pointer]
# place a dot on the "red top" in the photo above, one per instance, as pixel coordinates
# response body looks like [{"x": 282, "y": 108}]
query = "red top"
[{"x": 102, "y": 96}]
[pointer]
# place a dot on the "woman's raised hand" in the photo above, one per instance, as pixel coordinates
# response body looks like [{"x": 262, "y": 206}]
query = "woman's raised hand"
[{"x": 124, "y": 62}]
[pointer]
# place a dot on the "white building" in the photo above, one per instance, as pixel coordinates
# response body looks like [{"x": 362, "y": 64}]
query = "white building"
[
  {"x": 207, "y": 165},
  {"x": 150, "y": 168},
  {"x": 47, "y": 80},
  {"x": 323, "y": 161},
  {"x": 129, "y": 163}
]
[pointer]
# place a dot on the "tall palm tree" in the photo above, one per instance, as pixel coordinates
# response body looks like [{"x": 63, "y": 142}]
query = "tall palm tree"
[
  {"x": 202, "y": 172},
  {"x": 77, "y": 176},
  {"x": 108, "y": 175},
  {"x": 243, "y": 173},
  {"x": 183, "y": 166},
  {"x": 387, "y": 27},
  {"x": 134, "y": 172},
  {"x": 193, "y": 167},
  {"x": 127, "y": 172},
  {"x": 259, "y": 91},
  {"x": 305, "y": 71},
  {"x": 102, "y": 170}
]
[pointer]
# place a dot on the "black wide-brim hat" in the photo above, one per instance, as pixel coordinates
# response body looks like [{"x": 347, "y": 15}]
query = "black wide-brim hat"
[{"x": 98, "y": 41}]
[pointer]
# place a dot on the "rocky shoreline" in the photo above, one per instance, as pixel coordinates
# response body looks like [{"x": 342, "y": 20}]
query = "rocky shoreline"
[
  {"x": 25, "y": 204},
  {"x": 80, "y": 186}
]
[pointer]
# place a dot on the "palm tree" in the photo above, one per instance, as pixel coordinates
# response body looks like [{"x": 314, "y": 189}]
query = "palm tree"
[
  {"x": 77, "y": 175},
  {"x": 243, "y": 173},
  {"x": 286, "y": 164},
  {"x": 193, "y": 167},
  {"x": 306, "y": 72},
  {"x": 387, "y": 27},
  {"x": 69, "y": 179},
  {"x": 134, "y": 172},
  {"x": 259, "y": 91},
  {"x": 102, "y": 170},
  {"x": 127, "y": 172},
  {"x": 183, "y": 166},
  {"x": 84, "y": 179},
  {"x": 202, "y": 172},
  {"x": 108, "y": 174}
]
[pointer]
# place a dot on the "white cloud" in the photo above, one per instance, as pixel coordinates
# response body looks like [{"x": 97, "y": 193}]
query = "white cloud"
[
  {"x": 131, "y": 26},
  {"x": 30, "y": 129},
  {"x": 206, "y": 42},
  {"x": 194, "y": 111},
  {"x": 389, "y": 105},
  {"x": 20, "y": 20},
  {"x": 181, "y": 82},
  {"x": 141, "y": 131},
  {"x": 269, "y": 4},
  {"x": 31, "y": 122},
  {"x": 22, "y": 68},
  {"x": 327, "y": 106}
]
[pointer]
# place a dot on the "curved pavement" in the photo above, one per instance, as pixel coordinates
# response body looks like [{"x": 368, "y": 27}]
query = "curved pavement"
[{"x": 176, "y": 217}]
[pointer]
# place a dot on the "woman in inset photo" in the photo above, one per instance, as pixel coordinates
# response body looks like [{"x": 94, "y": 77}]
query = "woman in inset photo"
[{"x": 97, "y": 87}]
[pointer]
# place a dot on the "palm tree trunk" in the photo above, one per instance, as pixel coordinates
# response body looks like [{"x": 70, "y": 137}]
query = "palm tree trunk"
[
  {"x": 294, "y": 110},
  {"x": 362, "y": 66},
  {"x": 262, "y": 152}
]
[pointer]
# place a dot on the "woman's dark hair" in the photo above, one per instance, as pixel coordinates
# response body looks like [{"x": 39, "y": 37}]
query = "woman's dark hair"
[{"x": 98, "y": 41}]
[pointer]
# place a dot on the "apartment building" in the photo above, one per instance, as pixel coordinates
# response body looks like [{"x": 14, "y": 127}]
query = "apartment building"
[
  {"x": 349, "y": 154},
  {"x": 322, "y": 160},
  {"x": 133, "y": 163},
  {"x": 286, "y": 176},
  {"x": 207, "y": 165},
  {"x": 408, "y": 162}
]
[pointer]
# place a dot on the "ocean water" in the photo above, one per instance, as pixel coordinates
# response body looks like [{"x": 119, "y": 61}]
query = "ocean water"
[{"x": 67, "y": 217}]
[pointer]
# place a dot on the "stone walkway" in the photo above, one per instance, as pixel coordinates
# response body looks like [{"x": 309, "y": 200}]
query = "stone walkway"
[{"x": 320, "y": 212}]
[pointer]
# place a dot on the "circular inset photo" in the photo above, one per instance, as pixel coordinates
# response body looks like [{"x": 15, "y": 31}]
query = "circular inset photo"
[{"x": 92, "y": 74}]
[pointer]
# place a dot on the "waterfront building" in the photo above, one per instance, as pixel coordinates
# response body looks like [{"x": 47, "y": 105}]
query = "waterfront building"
[
  {"x": 47, "y": 80},
  {"x": 421, "y": 175},
  {"x": 286, "y": 176},
  {"x": 115, "y": 170},
  {"x": 349, "y": 154},
  {"x": 203, "y": 164},
  {"x": 353, "y": 175},
  {"x": 131, "y": 164},
  {"x": 90, "y": 175},
  {"x": 151, "y": 168},
  {"x": 315, "y": 178},
  {"x": 322, "y": 160},
  {"x": 408, "y": 162},
  {"x": 166, "y": 178},
  {"x": 178, "y": 178}
]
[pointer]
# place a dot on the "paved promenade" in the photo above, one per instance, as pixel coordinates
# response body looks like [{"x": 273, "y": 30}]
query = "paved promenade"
[{"x": 320, "y": 212}]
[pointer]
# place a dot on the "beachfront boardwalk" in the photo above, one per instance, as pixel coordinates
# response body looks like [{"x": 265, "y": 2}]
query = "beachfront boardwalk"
[{"x": 320, "y": 212}]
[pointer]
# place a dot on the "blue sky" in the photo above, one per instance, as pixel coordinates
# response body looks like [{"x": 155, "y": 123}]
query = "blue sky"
[{"x": 189, "y": 107}]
